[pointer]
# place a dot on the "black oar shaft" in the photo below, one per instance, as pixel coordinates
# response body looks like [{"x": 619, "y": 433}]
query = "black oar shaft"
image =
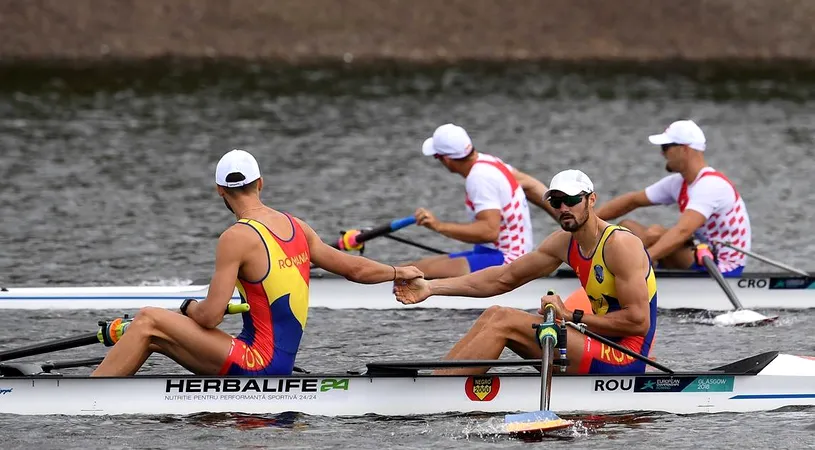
[
  {"x": 711, "y": 268},
  {"x": 385, "y": 229},
  {"x": 362, "y": 236},
  {"x": 50, "y": 346},
  {"x": 769, "y": 261},
  {"x": 57, "y": 365},
  {"x": 619, "y": 347},
  {"x": 416, "y": 244}
]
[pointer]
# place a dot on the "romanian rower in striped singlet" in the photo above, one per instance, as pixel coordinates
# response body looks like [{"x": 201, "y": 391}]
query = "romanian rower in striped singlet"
[
  {"x": 267, "y": 256},
  {"x": 710, "y": 207},
  {"x": 496, "y": 200},
  {"x": 612, "y": 265}
]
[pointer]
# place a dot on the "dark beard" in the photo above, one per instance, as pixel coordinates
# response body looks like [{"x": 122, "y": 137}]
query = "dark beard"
[
  {"x": 577, "y": 225},
  {"x": 227, "y": 206}
]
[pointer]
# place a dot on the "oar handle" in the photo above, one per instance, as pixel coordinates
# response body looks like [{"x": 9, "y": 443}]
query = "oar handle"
[
  {"x": 353, "y": 239},
  {"x": 704, "y": 256}
]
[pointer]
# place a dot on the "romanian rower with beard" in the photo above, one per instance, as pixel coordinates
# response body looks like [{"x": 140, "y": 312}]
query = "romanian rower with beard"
[{"x": 613, "y": 267}]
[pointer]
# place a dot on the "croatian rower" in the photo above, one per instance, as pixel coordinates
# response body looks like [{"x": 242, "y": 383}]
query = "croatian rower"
[
  {"x": 710, "y": 207},
  {"x": 496, "y": 200},
  {"x": 266, "y": 255},
  {"x": 613, "y": 267}
]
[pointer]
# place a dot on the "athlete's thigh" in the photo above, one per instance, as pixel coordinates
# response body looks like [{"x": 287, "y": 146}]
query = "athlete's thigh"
[
  {"x": 681, "y": 258},
  {"x": 637, "y": 228},
  {"x": 200, "y": 350}
]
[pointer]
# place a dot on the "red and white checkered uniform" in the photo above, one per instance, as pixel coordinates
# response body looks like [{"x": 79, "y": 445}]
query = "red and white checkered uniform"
[
  {"x": 715, "y": 197},
  {"x": 491, "y": 185}
]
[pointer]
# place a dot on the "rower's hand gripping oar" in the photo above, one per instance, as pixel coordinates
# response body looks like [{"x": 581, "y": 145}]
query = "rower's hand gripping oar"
[
  {"x": 110, "y": 331},
  {"x": 548, "y": 334},
  {"x": 355, "y": 239},
  {"x": 739, "y": 317}
]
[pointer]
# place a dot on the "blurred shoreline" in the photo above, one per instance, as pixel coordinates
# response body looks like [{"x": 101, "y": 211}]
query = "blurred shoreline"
[{"x": 731, "y": 36}]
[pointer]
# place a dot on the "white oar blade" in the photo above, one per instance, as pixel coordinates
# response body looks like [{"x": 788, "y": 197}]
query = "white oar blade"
[
  {"x": 742, "y": 318},
  {"x": 534, "y": 422}
]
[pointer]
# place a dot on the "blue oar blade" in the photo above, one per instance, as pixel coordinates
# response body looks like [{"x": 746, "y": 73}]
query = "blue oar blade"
[{"x": 536, "y": 421}]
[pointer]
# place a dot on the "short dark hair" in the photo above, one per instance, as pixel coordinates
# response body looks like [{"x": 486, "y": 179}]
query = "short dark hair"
[
  {"x": 235, "y": 177},
  {"x": 469, "y": 155}
]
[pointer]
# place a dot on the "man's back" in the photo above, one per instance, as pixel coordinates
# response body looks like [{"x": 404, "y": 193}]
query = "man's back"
[
  {"x": 491, "y": 185},
  {"x": 279, "y": 297}
]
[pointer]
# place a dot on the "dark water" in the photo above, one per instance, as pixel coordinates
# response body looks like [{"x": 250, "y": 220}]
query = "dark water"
[{"x": 107, "y": 178}]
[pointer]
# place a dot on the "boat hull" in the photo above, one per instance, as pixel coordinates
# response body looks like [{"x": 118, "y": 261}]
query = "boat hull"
[
  {"x": 755, "y": 291},
  {"x": 347, "y": 395}
]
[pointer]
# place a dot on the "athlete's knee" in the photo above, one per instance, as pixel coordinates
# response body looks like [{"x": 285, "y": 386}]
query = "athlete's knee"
[
  {"x": 490, "y": 313},
  {"x": 145, "y": 321},
  {"x": 502, "y": 320},
  {"x": 653, "y": 233}
]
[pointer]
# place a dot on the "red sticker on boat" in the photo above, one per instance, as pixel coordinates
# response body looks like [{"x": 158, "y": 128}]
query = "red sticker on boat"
[{"x": 482, "y": 388}]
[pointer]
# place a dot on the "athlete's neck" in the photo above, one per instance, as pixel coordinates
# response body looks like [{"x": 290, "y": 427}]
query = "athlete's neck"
[
  {"x": 695, "y": 165},
  {"x": 589, "y": 234},
  {"x": 245, "y": 204},
  {"x": 467, "y": 166}
]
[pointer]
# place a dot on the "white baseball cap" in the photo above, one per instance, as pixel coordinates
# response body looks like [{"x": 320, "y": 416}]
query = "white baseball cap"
[
  {"x": 237, "y": 162},
  {"x": 684, "y": 132},
  {"x": 570, "y": 182},
  {"x": 448, "y": 140}
]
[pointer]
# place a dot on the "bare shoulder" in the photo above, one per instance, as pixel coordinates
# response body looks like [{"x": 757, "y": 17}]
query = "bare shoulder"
[
  {"x": 310, "y": 233},
  {"x": 624, "y": 252},
  {"x": 236, "y": 236},
  {"x": 556, "y": 244}
]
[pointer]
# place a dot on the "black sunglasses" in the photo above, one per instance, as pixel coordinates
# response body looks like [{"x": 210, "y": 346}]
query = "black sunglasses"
[
  {"x": 568, "y": 200},
  {"x": 666, "y": 147}
]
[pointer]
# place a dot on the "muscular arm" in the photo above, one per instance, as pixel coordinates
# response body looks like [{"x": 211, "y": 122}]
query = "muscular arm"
[
  {"x": 534, "y": 191},
  {"x": 228, "y": 258},
  {"x": 674, "y": 238},
  {"x": 500, "y": 279},
  {"x": 626, "y": 259},
  {"x": 622, "y": 205},
  {"x": 355, "y": 268},
  {"x": 484, "y": 229}
]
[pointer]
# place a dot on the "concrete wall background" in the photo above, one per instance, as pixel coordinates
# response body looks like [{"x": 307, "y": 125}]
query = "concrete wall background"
[{"x": 409, "y": 30}]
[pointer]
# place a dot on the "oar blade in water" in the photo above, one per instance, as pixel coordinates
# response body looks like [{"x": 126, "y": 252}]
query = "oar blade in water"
[
  {"x": 534, "y": 422},
  {"x": 743, "y": 318}
]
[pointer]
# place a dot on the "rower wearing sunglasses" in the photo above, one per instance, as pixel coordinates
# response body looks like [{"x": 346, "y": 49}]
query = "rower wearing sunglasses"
[
  {"x": 612, "y": 265},
  {"x": 496, "y": 197},
  {"x": 710, "y": 207}
]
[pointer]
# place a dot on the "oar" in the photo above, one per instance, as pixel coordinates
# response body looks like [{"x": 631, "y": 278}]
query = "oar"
[
  {"x": 353, "y": 239},
  {"x": 416, "y": 244},
  {"x": 582, "y": 329},
  {"x": 544, "y": 419},
  {"x": 109, "y": 333},
  {"x": 769, "y": 261},
  {"x": 51, "y": 346},
  {"x": 739, "y": 317}
]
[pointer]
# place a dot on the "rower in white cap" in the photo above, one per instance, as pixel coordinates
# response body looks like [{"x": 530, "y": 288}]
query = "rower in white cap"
[
  {"x": 710, "y": 207},
  {"x": 500, "y": 225},
  {"x": 613, "y": 268}
]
